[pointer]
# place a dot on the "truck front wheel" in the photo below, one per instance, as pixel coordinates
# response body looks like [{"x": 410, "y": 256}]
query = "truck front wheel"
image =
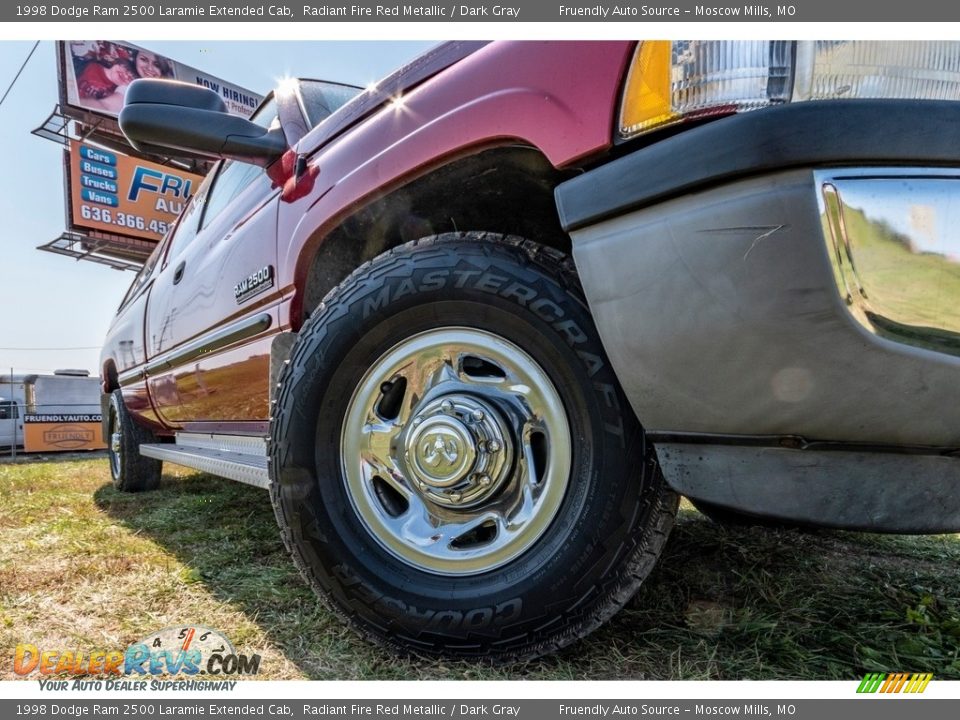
[
  {"x": 454, "y": 465},
  {"x": 130, "y": 471}
]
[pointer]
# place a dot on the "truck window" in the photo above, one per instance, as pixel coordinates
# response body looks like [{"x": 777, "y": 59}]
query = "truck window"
[
  {"x": 145, "y": 272},
  {"x": 233, "y": 177},
  {"x": 320, "y": 99},
  {"x": 189, "y": 223},
  {"x": 231, "y": 180},
  {"x": 266, "y": 115},
  {"x": 8, "y": 410}
]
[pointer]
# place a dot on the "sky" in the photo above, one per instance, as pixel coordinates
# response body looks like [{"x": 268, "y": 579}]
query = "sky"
[{"x": 52, "y": 301}]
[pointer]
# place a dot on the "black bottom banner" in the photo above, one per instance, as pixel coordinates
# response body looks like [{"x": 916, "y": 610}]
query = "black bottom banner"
[{"x": 873, "y": 707}]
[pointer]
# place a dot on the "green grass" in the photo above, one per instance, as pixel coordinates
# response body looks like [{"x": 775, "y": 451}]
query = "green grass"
[{"x": 84, "y": 567}]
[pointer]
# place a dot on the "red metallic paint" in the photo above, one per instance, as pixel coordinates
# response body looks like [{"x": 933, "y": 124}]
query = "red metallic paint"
[
  {"x": 221, "y": 387},
  {"x": 557, "y": 97}
]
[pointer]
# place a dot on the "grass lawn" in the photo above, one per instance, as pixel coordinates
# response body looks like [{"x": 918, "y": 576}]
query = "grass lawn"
[{"x": 86, "y": 567}]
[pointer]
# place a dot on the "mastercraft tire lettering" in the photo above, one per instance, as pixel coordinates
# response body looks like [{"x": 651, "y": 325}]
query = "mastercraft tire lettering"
[{"x": 454, "y": 466}]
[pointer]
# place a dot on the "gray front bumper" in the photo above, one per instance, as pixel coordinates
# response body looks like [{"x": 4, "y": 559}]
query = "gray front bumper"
[
  {"x": 779, "y": 293},
  {"x": 723, "y": 314}
]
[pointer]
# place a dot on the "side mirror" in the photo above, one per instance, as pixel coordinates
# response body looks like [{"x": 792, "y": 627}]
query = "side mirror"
[{"x": 176, "y": 118}]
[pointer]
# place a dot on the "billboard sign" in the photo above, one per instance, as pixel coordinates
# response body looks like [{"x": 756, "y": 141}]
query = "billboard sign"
[
  {"x": 121, "y": 195},
  {"x": 95, "y": 74}
]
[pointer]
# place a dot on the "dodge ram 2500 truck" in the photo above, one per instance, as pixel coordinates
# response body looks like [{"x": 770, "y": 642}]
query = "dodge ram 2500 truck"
[{"x": 477, "y": 328}]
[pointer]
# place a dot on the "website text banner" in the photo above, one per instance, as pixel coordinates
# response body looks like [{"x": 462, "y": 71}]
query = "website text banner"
[
  {"x": 481, "y": 11},
  {"x": 852, "y": 709}
]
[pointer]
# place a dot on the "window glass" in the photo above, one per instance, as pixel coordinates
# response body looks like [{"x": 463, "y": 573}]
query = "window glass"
[
  {"x": 322, "y": 99},
  {"x": 227, "y": 184},
  {"x": 234, "y": 176},
  {"x": 266, "y": 115},
  {"x": 145, "y": 272},
  {"x": 8, "y": 410},
  {"x": 232, "y": 180},
  {"x": 189, "y": 221}
]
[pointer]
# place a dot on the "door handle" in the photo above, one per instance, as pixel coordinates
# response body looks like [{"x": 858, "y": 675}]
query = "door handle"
[{"x": 178, "y": 273}]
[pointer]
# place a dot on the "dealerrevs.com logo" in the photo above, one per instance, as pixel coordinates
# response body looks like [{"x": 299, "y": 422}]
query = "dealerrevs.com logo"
[{"x": 190, "y": 650}]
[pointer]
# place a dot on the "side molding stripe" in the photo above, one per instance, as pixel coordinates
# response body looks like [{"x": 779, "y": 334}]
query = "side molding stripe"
[{"x": 240, "y": 330}]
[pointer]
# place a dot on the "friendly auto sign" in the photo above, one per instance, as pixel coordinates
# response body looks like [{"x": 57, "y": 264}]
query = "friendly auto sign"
[{"x": 122, "y": 195}]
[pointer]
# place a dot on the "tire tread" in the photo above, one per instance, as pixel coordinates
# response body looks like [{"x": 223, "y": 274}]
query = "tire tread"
[
  {"x": 641, "y": 547},
  {"x": 137, "y": 472}
]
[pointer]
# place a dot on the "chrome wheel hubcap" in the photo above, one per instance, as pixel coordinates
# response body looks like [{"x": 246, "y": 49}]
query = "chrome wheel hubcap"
[{"x": 456, "y": 451}]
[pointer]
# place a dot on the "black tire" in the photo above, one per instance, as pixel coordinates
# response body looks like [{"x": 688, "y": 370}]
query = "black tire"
[
  {"x": 130, "y": 471},
  {"x": 616, "y": 510}
]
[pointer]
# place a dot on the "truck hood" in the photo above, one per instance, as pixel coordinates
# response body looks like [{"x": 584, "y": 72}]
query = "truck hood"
[{"x": 415, "y": 72}]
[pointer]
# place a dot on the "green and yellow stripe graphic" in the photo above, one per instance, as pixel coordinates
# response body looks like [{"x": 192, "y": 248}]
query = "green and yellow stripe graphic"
[{"x": 895, "y": 682}]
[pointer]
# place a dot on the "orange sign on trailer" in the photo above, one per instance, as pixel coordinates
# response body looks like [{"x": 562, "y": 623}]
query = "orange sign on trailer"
[{"x": 57, "y": 433}]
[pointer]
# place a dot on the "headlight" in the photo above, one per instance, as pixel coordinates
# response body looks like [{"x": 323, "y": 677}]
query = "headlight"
[{"x": 674, "y": 81}]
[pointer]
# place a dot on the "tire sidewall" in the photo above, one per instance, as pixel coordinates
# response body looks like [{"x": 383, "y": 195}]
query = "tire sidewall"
[
  {"x": 504, "y": 290},
  {"x": 133, "y": 472},
  {"x": 115, "y": 424}
]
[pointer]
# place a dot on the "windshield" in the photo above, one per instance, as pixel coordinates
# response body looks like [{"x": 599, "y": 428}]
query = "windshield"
[{"x": 321, "y": 99}]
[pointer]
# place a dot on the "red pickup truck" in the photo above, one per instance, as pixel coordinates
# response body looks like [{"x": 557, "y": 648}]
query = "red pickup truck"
[{"x": 476, "y": 328}]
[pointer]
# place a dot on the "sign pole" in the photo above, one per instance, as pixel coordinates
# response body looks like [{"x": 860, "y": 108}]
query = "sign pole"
[{"x": 14, "y": 417}]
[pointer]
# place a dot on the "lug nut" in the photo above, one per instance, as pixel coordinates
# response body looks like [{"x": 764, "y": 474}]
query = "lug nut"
[
  {"x": 455, "y": 497},
  {"x": 485, "y": 480},
  {"x": 447, "y": 406},
  {"x": 493, "y": 446},
  {"x": 477, "y": 414}
]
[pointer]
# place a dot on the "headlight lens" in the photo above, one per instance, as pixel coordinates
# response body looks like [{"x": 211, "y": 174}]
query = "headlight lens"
[{"x": 673, "y": 81}]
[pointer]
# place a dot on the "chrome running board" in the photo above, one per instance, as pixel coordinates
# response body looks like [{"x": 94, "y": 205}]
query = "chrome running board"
[{"x": 235, "y": 457}]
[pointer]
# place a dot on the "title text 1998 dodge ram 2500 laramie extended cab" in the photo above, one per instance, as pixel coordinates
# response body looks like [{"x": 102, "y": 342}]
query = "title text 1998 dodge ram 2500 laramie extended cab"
[{"x": 478, "y": 327}]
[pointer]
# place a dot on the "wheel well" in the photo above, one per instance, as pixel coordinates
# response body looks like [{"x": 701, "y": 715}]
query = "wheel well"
[
  {"x": 110, "y": 378},
  {"x": 506, "y": 190}
]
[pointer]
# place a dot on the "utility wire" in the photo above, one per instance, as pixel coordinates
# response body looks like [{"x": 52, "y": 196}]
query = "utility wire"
[
  {"x": 17, "y": 76},
  {"x": 14, "y": 349}
]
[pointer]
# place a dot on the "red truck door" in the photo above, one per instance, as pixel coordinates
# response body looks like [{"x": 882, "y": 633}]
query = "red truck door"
[
  {"x": 212, "y": 309},
  {"x": 207, "y": 340}
]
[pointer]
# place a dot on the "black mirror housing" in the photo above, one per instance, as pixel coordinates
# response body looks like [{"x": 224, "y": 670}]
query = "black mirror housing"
[{"x": 175, "y": 118}]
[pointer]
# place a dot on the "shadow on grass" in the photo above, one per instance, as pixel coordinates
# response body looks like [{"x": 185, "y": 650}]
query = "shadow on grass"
[{"x": 738, "y": 603}]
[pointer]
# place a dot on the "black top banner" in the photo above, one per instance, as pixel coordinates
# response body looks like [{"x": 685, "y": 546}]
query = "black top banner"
[{"x": 480, "y": 11}]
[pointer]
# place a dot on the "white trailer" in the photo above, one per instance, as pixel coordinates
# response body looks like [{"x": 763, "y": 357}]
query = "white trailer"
[{"x": 67, "y": 395}]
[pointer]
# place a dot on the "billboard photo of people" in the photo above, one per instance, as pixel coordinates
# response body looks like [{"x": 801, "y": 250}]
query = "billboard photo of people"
[
  {"x": 103, "y": 70},
  {"x": 96, "y": 74}
]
